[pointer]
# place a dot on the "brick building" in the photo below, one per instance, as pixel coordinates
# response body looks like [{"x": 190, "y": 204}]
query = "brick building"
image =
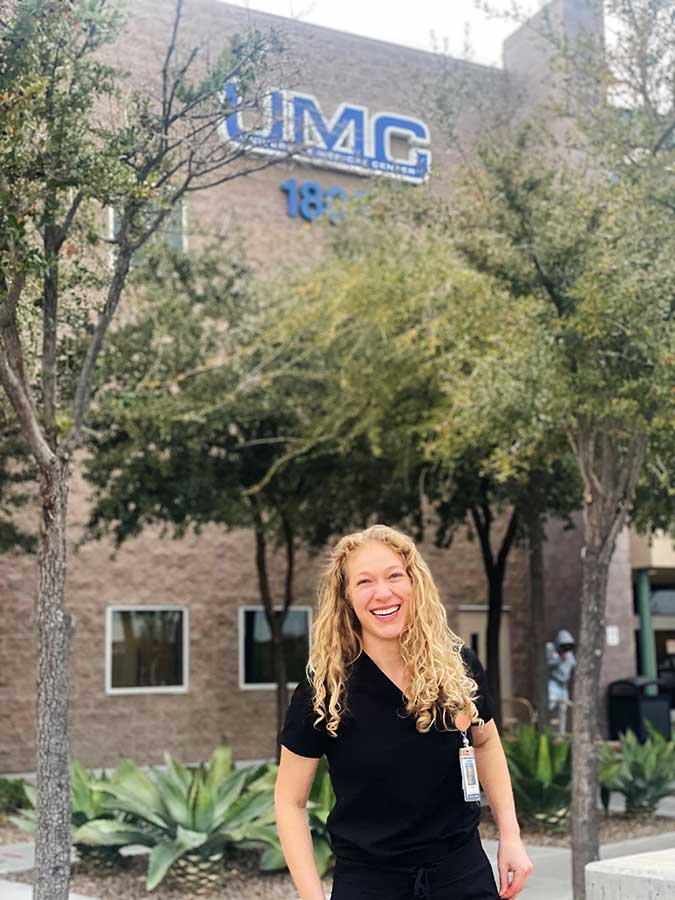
[{"x": 169, "y": 644}]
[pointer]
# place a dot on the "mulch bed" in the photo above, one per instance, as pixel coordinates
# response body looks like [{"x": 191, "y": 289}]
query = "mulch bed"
[
  {"x": 11, "y": 834},
  {"x": 242, "y": 879}
]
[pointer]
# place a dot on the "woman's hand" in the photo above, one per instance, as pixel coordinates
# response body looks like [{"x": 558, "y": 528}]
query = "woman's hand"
[{"x": 512, "y": 857}]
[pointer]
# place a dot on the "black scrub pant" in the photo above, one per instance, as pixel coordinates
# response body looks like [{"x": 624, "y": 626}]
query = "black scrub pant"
[{"x": 463, "y": 874}]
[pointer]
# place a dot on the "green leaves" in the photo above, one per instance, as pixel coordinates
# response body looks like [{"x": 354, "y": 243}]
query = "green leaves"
[
  {"x": 110, "y": 833},
  {"x": 181, "y": 812},
  {"x": 541, "y": 774},
  {"x": 643, "y": 773},
  {"x": 165, "y": 854}
]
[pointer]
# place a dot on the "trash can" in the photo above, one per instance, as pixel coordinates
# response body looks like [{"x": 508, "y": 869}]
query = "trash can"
[{"x": 630, "y": 707}]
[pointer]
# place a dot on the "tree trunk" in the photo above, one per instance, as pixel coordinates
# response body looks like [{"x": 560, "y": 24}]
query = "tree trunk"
[
  {"x": 494, "y": 624},
  {"x": 585, "y": 843},
  {"x": 53, "y": 632},
  {"x": 275, "y": 618},
  {"x": 538, "y": 628},
  {"x": 282, "y": 680},
  {"x": 495, "y": 571},
  {"x": 610, "y": 470}
]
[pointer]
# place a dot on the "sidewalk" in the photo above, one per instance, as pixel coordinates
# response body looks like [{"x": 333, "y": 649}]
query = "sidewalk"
[
  {"x": 11, "y": 891},
  {"x": 552, "y": 875},
  {"x": 18, "y": 858}
]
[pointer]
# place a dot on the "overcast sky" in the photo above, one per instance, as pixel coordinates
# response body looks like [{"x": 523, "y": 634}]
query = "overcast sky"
[{"x": 409, "y": 22}]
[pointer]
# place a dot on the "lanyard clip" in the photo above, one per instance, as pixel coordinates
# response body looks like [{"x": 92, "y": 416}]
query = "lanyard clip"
[{"x": 465, "y": 739}]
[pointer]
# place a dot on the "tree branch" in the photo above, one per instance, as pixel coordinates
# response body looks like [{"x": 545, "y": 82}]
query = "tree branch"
[
  {"x": 23, "y": 406},
  {"x": 507, "y": 542}
]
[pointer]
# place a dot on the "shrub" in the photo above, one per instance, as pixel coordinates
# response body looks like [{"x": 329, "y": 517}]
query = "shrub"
[
  {"x": 87, "y": 799},
  {"x": 320, "y": 802},
  {"x": 541, "y": 775},
  {"x": 643, "y": 773},
  {"x": 12, "y": 795},
  {"x": 187, "y": 817}
]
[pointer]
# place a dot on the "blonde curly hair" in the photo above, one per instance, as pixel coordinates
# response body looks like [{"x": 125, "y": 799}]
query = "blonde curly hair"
[{"x": 440, "y": 687}]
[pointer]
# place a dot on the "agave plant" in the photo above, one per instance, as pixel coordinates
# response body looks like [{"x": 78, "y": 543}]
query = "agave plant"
[
  {"x": 643, "y": 773},
  {"x": 320, "y": 802},
  {"x": 609, "y": 767},
  {"x": 87, "y": 803},
  {"x": 12, "y": 795},
  {"x": 188, "y": 817},
  {"x": 541, "y": 774}
]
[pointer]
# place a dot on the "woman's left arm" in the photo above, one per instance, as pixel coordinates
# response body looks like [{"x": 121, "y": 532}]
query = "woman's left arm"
[{"x": 493, "y": 772}]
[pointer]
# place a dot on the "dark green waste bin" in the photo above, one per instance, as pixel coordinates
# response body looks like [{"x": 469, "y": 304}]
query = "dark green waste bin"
[{"x": 630, "y": 707}]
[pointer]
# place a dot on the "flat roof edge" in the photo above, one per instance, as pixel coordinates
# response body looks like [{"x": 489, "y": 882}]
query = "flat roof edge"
[{"x": 255, "y": 13}]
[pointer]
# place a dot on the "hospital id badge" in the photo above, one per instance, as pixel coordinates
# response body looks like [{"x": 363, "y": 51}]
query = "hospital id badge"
[{"x": 470, "y": 783}]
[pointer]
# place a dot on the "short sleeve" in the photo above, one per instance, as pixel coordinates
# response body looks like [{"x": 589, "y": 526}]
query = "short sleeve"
[
  {"x": 474, "y": 668},
  {"x": 298, "y": 732}
]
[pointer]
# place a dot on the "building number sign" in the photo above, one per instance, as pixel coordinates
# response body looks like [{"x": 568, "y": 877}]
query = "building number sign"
[{"x": 309, "y": 200}]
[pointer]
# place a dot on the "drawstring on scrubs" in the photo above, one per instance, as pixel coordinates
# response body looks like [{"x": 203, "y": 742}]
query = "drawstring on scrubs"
[{"x": 422, "y": 885}]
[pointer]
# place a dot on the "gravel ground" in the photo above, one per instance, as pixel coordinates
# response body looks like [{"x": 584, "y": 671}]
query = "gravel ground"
[
  {"x": 10, "y": 834},
  {"x": 243, "y": 881}
]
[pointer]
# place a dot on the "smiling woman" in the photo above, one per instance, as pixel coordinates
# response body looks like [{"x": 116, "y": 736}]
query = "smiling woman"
[{"x": 397, "y": 704}]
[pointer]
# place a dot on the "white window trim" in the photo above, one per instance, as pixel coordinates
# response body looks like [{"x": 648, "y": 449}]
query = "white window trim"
[
  {"x": 265, "y": 686},
  {"x": 184, "y": 224},
  {"x": 145, "y": 607}
]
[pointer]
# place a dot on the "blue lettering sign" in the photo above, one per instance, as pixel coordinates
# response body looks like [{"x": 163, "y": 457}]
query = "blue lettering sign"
[
  {"x": 295, "y": 126},
  {"x": 310, "y": 201}
]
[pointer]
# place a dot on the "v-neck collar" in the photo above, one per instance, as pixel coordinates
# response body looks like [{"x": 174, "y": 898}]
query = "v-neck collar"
[{"x": 383, "y": 675}]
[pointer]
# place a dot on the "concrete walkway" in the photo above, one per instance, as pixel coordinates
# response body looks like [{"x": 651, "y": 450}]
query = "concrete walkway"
[
  {"x": 19, "y": 858},
  {"x": 10, "y": 890},
  {"x": 552, "y": 875}
]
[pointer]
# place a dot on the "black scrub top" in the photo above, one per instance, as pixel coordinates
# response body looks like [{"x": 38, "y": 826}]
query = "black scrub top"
[{"x": 398, "y": 793}]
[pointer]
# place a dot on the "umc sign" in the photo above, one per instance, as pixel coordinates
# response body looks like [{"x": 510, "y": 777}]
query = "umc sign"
[{"x": 352, "y": 141}]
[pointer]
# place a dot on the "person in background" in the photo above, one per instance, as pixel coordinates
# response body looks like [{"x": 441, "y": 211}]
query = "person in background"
[
  {"x": 561, "y": 662},
  {"x": 399, "y": 706}
]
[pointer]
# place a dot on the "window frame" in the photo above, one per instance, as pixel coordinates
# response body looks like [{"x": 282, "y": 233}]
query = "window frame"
[
  {"x": 184, "y": 688},
  {"x": 241, "y": 619},
  {"x": 183, "y": 230}
]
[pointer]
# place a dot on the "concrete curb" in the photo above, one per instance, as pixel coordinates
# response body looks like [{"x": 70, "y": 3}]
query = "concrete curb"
[
  {"x": 10, "y": 890},
  {"x": 644, "y": 876}
]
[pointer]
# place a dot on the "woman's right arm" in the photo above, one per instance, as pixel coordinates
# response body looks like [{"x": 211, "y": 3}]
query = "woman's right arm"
[{"x": 291, "y": 791}]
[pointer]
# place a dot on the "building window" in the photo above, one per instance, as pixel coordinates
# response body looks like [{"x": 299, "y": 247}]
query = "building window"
[
  {"x": 173, "y": 230},
  {"x": 256, "y": 666},
  {"x": 146, "y": 649}
]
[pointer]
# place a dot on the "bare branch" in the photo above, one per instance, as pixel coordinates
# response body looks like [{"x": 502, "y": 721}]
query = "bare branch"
[
  {"x": 69, "y": 219},
  {"x": 19, "y": 397},
  {"x": 85, "y": 381},
  {"x": 170, "y": 50}
]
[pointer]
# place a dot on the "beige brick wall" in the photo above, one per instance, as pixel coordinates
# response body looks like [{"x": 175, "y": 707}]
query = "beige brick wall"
[{"x": 214, "y": 574}]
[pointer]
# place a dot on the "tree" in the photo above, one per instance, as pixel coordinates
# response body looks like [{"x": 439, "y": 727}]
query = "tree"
[
  {"x": 472, "y": 487},
  {"x": 579, "y": 234},
  {"x": 193, "y": 432},
  {"x": 385, "y": 323},
  {"x": 597, "y": 256},
  {"x": 61, "y": 162}
]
